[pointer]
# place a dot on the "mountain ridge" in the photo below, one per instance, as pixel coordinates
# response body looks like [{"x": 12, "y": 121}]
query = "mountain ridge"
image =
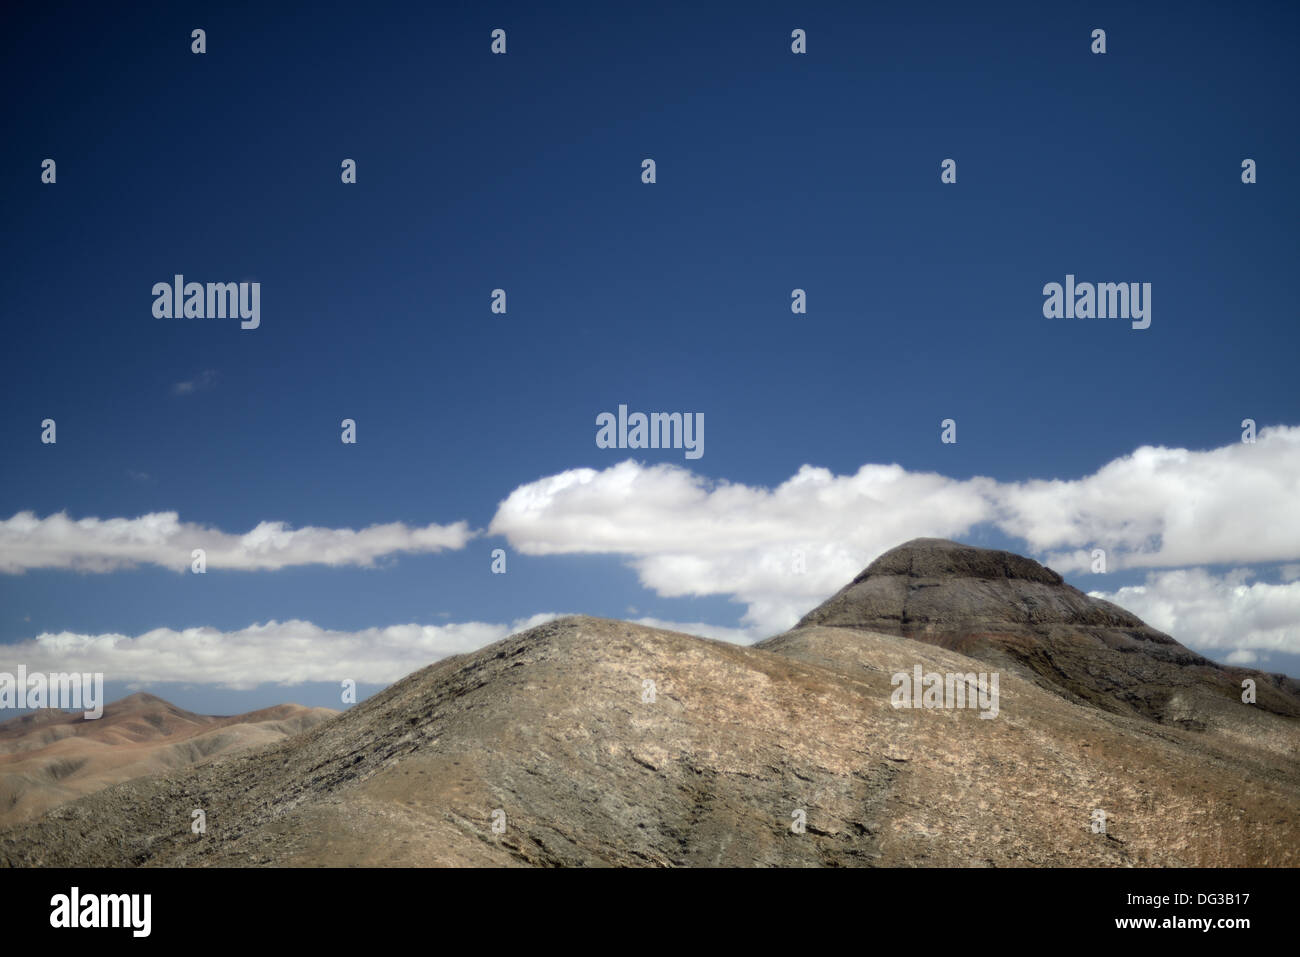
[{"x": 589, "y": 741}]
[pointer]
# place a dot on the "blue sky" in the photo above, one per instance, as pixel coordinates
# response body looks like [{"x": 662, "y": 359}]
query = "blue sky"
[{"x": 775, "y": 171}]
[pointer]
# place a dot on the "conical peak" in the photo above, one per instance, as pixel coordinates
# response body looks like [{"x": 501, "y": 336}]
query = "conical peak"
[{"x": 940, "y": 558}]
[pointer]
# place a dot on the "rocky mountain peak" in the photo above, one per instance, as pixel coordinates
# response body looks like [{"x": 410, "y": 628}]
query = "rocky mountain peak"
[
  {"x": 1015, "y": 613},
  {"x": 940, "y": 558}
]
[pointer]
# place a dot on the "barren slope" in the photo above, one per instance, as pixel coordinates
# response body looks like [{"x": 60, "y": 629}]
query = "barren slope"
[
  {"x": 50, "y": 757},
  {"x": 550, "y": 727}
]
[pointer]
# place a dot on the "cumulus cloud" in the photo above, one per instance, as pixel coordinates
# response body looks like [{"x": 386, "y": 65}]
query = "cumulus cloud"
[
  {"x": 161, "y": 538},
  {"x": 1162, "y": 507},
  {"x": 1214, "y": 613},
  {"x": 282, "y": 653},
  {"x": 781, "y": 550},
  {"x": 777, "y": 550}
]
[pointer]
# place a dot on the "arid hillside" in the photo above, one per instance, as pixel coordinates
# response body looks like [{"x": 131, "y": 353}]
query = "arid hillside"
[
  {"x": 50, "y": 757},
  {"x": 596, "y": 742}
]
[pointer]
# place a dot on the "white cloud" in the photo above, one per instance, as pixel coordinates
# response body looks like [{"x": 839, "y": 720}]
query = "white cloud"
[
  {"x": 200, "y": 383},
  {"x": 161, "y": 538},
  {"x": 1214, "y": 613},
  {"x": 686, "y": 535},
  {"x": 282, "y": 653},
  {"x": 1162, "y": 507}
]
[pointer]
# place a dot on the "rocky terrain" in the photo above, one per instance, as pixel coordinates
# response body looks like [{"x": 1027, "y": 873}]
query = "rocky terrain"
[
  {"x": 50, "y": 757},
  {"x": 1011, "y": 612},
  {"x": 551, "y": 747}
]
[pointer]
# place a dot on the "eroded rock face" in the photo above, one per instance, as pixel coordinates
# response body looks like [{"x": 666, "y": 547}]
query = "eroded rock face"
[{"x": 1011, "y": 611}]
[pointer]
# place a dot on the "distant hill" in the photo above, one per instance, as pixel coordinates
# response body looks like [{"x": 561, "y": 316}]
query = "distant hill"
[{"x": 49, "y": 757}]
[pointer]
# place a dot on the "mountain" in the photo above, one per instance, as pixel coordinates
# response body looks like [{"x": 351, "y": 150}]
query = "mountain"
[
  {"x": 1012, "y": 612},
  {"x": 49, "y": 757},
  {"x": 554, "y": 736}
]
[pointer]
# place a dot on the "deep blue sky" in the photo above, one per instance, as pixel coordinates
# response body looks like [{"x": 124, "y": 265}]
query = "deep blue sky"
[{"x": 522, "y": 171}]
